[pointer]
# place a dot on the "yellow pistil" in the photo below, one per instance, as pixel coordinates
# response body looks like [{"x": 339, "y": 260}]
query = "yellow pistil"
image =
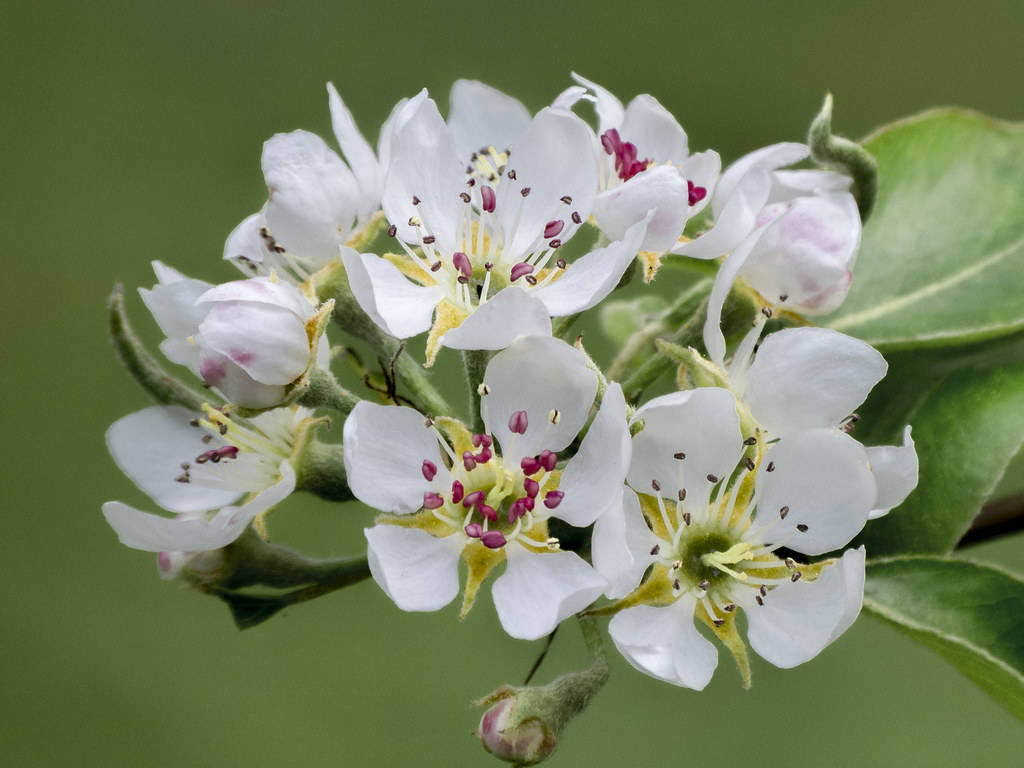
[{"x": 722, "y": 560}]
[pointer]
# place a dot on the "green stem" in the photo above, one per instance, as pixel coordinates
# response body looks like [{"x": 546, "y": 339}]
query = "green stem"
[{"x": 475, "y": 362}]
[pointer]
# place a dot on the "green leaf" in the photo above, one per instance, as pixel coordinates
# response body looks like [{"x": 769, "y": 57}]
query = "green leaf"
[
  {"x": 966, "y": 406},
  {"x": 971, "y": 614},
  {"x": 943, "y": 253}
]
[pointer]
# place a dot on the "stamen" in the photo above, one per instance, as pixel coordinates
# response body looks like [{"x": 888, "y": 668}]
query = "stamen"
[
  {"x": 520, "y": 269},
  {"x": 432, "y": 500},
  {"x": 553, "y": 498},
  {"x": 553, "y": 228},
  {"x": 429, "y": 470},
  {"x": 487, "y": 198},
  {"x": 518, "y": 423},
  {"x": 493, "y": 539}
]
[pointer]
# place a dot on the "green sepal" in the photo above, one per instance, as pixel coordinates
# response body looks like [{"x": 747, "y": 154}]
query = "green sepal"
[
  {"x": 845, "y": 156},
  {"x": 164, "y": 388}
]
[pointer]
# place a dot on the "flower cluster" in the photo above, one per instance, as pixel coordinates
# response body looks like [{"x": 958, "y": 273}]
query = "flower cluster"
[{"x": 491, "y": 230}]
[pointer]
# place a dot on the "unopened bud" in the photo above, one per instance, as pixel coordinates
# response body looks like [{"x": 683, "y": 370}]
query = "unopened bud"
[{"x": 510, "y": 736}]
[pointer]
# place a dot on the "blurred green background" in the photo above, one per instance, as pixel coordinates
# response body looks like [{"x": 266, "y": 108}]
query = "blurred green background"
[{"x": 132, "y": 132}]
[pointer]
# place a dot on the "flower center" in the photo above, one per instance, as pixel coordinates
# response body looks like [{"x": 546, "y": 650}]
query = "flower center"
[
  {"x": 627, "y": 164},
  {"x": 482, "y": 262},
  {"x": 244, "y": 455},
  {"x": 490, "y": 502}
]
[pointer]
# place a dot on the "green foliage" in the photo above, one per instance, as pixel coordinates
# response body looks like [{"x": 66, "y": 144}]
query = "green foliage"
[
  {"x": 943, "y": 254},
  {"x": 971, "y": 614}
]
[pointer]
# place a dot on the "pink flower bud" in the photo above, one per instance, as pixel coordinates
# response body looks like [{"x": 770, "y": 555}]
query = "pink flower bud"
[{"x": 526, "y": 743}]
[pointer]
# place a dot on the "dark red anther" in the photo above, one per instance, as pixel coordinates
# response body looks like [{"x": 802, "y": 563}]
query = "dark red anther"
[
  {"x": 429, "y": 470},
  {"x": 553, "y": 498},
  {"x": 552, "y": 228},
  {"x": 493, "y": 539},
  {"x": 462, "y": 263},
  {"x": 474, "y": 499},
  {"x": 532, "y": 487},
  {"x": 432, "y": 501},
  {"x": 548, "y": 459},
  {"x": 517, "y": 510},
  {"x": 468, "y": 461},
  {"x": 695, "y": 194},
  {"x": 520, "y": 269},
  {"x": 484, "y": 456},
  {"x": 458, "y": 491},
  {"x": 530, "y": 465},
  {"x": 488, "y": 198},
  {"x": 518, "y": 423},
  {"x": 473, "y": 530},
  {"x": 488, "y": 512},
  {"x": 485, "y": 440}
]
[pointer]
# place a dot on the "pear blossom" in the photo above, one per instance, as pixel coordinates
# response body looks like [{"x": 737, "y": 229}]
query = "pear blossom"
[
  {"x": 645, "y": 165},
  {"x": 792, "y": 236},
  {"x": 481, "y": 263},
  {"x": 804, "y": 378},
  {"x": 250, "y": 339},
  {"x": 318, "y": 201},
  {"x": 710, "y": 523},
  {"x": 486, "y": 498},
  {"x": 200, "y": 466}
]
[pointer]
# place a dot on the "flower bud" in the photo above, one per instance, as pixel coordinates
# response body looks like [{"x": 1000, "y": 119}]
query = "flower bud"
[{"x": 514, "y": 735}]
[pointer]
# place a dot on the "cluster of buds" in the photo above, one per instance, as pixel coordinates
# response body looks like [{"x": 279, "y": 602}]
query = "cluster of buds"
[{"x": 721, "y": 498}]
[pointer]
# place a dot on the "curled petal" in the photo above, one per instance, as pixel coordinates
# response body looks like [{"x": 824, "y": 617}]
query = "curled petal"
[
  {"x": 398, "y": 306},
  {"x": 895, "y": 470}
]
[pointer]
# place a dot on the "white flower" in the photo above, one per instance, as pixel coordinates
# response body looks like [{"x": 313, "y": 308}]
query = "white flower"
[
  {"x": 249, "y": 339},
  {"x": 806, "y": 378},
  {"x": 709, "y": 527},
  {"x": 481, "y": 242},
  {"x": 199, "y": 466},
  {"x": 792, "y": 236},
  {"x": 486, "y": 498},
  {"x": 645, "y": 165},
  {"x": 318, "y": 201}
]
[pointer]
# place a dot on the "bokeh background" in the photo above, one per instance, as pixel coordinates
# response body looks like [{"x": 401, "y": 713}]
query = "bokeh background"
[{"x": 131, "y": 131}]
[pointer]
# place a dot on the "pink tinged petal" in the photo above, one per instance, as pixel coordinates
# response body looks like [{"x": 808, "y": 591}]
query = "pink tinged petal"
[
  {"x": 799, "y": 619},
  {"x": 824, "y": 478},
  {"x": 621, "y": 546},
  {"x": 173, "y": 305},
  {"x": 540, "y": 589},
  {"x": 736, "y": 221},
  {"x": 424, "y": 164},
  {"x": 141, "y": 530},
  {"x": 787, "y": 185},
  {"x": 150, "y": 446},
  {"x": 665, "y": 644},
  {"x": 810, "y": 377},
  {"x": 654, "y": 130},
  {"x": 400, "y": 307},
  {"x": 554, "y": 158},
  {"x": 661, "y": 189},
  {"x": 416, "y": 570},
  {"x": 267, "y": 342},
  {"x": 384, "y": 448},
  {"x": 803, "y": 259},
  {"x": 314, "y": 197},
  {"x": 235, "y": 384},
  {"x": 701, "y": 425},
  {"x": 762, "y": 160},
  {"x": 482, "y": 116},
  {"x": 589, "y": 279},
  {"x": 538, "y": 375},
  {"x": 592, "y": 481},
  {"x": 358, "y": 153},
  {"x": 510, "y": 314},
  {"x": 263, "y": 291},
  {"x": 895, "y": 470}
]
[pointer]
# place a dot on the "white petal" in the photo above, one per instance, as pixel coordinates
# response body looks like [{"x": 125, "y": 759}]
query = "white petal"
[
  {"x": 895, "y": 470},
  {"x": 653, "y": 131},
  {"x": 537, "y": 374},
  {"x": 509, "y": 314},
  {"x": 799, "y": 619},
  {"x": 734, "y": 223},
  {"x": 810, "y": 377},
  {"x": 823, "y": 476},
  {"x": 700, "y": 423},
  {"x": 481, "y": 116},
  {"x": 358, "y": 153},
  {"x": 621, "y": 546},
  {"x": 260, "y": 290},
  {"x": 141, "y": 530},
  {"x": 173, "y": 305},
  {"x": 396, "y": 304},
  {"x": 610, "y": 113},
  {"x": 554, "y": 158},
  {"x": 150, "y": 446},
  {"x": 425, "y": 165},
  {"x": 245, "y": 244},
  {"x": 385, "y": 447},
  {"x": 400, "y": 114},
  {"x": 416, "y": 570},
  {"x": 789, "y": 184},
  {"x": 714, "y": 340},
  {"x": 661, "y": 189},
  {"x": 314, "y": 197},
  {"x": 764, "y": 159},
  {"x": 664, "y": 643},
  {"x": 590, "y": 278},
  {"x": 702, "y": 169},
  {"x": 234, "y": 384},
  {"x": 593, "y": 479},
  {"x": 540, "y": 589}
]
